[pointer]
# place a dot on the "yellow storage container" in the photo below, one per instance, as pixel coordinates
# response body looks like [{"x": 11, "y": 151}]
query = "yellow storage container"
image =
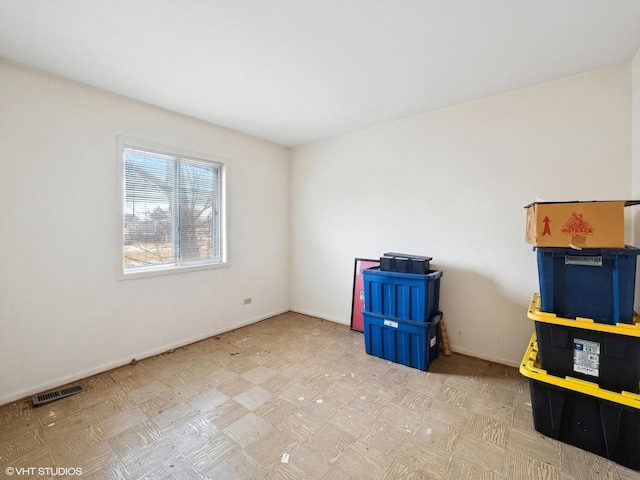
[
  {"x": 608, "y": 355},
  {"x": 582, "y": 414}
]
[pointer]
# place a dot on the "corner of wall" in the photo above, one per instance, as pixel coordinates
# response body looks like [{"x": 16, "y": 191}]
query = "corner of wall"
[
  {"x": 635, "y": 127},
  {"x": 289, "y": 237},
  {"x": 635, "y": 158}
]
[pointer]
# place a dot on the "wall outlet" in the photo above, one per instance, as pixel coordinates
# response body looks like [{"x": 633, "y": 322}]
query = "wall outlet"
[{"x": 247, "y": 301}]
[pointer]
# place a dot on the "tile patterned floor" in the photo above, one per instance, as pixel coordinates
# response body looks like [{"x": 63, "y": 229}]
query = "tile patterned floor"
[{"x": 230, "y": 407}]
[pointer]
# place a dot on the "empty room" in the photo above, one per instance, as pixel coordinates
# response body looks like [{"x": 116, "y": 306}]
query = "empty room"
[{"x": 319, "y": 240}]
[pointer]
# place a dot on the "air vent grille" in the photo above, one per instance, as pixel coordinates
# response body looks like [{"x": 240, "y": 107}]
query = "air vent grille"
[{"x": 53, "y": 395}]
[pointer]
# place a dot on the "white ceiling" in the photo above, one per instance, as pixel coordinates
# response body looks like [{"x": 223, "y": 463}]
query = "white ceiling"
[{"x": 291, "y": 71}]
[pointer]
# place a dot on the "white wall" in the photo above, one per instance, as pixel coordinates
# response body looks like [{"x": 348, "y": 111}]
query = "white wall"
[
  {"x": 452, "y": 184},
  {"x": 635, "y": 159},
  {"x": 63, "y": 314}
]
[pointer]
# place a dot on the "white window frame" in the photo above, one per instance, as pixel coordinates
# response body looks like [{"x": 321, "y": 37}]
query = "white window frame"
[{"x": 122, "y": 273}]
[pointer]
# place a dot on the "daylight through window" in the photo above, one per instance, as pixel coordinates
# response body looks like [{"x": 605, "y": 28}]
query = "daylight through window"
[{"x": 173, "y": 216}]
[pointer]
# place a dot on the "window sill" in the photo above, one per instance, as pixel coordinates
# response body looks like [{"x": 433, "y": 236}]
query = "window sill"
[{"x": 169, "y": 270}]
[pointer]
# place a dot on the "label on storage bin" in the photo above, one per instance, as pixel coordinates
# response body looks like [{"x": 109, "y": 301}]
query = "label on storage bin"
[
  {"x": 432, "y": 343},
  {"x": 389, "y": 323},
  {"x": 586, "y": 260},
  {"x": 586, "y": 357}
]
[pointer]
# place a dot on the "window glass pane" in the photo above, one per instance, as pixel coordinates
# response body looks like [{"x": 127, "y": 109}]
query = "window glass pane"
[
  {"x": 216, "y": 212},
  {"x": 172, "y": 212},
  {"x": 148, "y": 225}
]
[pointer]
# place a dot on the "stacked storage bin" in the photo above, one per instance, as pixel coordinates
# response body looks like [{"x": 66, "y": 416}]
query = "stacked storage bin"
[
  {"x": 583, "y": 414},
  {"x": 583, "y": 360},
  {"x": 401, "y": 317}
]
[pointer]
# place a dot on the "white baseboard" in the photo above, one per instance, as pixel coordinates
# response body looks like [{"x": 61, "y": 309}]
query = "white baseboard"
[
  {"x": 319, "y": 315},
  {"x": 488, "y": 358},
  {"x": 463, "y": 351}
]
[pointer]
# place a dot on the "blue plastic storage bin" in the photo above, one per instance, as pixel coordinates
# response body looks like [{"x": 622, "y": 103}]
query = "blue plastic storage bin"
[
  {"x": 402, "y": 296},
  {"x": 414, "y": 344},
  {"x": 592, "y": 283}
]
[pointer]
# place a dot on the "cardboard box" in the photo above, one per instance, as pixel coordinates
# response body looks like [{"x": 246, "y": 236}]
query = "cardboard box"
[{"x": 577, "y": 224}]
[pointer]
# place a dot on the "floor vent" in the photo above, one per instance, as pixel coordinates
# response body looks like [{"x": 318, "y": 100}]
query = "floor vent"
[{"x": 53, "y": 395}]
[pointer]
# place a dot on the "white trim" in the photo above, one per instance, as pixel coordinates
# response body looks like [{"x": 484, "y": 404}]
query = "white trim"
[
  {"x": 22, "y": 394},
  {"x": 463, "y": 351},
  {"x": 487, "y": 358},
  {"x": 321, "y": 316},
  {"x": 124, "y": 142}
]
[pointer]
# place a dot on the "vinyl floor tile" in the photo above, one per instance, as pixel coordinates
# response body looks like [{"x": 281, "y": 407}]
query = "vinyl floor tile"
[{"x": 231, "y": 406}]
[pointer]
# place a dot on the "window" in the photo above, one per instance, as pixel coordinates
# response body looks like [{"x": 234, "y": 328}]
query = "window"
[{"x": 172, "y": 210}]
